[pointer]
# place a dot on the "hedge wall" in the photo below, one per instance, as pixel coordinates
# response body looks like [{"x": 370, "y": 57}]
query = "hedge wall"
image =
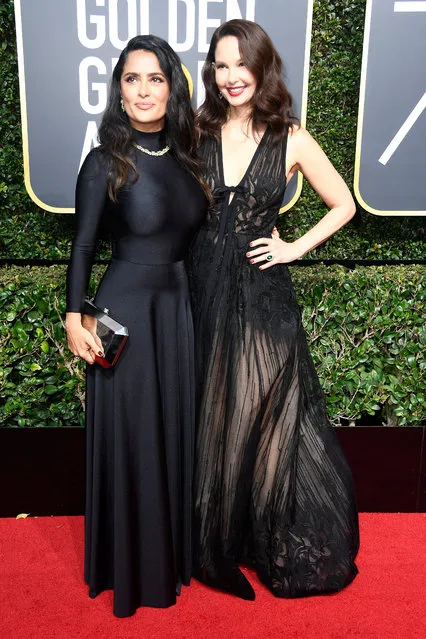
[
  {"x": 365, "y": 327},
  {"x": 29, "y": 232}
]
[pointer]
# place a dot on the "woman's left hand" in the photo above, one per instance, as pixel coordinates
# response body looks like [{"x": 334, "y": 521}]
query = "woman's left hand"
[{"x": 271, "y": 251}]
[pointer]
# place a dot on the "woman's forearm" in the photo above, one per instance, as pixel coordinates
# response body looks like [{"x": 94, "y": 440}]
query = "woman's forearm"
[
  {"x": 326, "y": 227},
  {"x": 72, "y": 320}
]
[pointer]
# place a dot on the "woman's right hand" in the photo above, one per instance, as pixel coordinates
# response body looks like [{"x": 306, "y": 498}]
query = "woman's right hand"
[{"x": 81, "y": 342}]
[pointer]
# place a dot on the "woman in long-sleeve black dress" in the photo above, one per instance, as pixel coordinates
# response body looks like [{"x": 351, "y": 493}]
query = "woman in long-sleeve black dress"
[{"x": 144, "y": 178}]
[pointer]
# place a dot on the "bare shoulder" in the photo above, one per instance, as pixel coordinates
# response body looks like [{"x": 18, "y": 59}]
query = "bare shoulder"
[
  {"x": 305, "y": 154},
  {"x": 298, "y": 137},
  {"x": 300, "y": 146}
]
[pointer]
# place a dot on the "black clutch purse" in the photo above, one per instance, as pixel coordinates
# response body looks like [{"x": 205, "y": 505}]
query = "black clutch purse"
[{"x": 112, "y": 334}]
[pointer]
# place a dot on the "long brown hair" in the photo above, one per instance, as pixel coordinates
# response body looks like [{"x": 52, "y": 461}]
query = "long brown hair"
[{"x": 271, "y": 102}]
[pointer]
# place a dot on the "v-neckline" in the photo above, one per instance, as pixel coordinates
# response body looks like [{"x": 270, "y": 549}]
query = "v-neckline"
[{"x": 253, "y": 158}]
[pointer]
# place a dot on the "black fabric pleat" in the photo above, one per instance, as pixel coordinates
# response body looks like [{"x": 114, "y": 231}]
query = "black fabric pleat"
[{"x": 140, "y": 423}]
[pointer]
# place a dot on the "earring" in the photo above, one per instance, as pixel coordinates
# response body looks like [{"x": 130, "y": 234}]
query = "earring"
[
  {"x": 122, "y": 104},
  {"x": 220, "y": 95}
]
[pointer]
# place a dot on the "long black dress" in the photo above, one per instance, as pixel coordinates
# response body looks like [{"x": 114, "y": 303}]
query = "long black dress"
[
  {"x": 140, "y": 415},
  {"x": 272, "y": 486}
]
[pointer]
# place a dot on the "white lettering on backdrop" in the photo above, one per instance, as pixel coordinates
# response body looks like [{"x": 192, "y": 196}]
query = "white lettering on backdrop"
[{"x": 116, "y": 21}]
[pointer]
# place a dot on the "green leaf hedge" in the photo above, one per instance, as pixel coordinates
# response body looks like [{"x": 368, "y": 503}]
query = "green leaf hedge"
[
  {"x": 29, "y": 232},
  {"x": 366, "y": 329}
]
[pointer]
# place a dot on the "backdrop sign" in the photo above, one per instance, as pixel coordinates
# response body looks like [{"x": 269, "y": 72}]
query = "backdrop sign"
[
  {"x": 390, "y": 175},
  {"x": 67, "y": 50}
]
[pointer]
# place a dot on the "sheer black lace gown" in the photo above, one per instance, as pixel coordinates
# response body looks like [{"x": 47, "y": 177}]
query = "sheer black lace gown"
[
  {"x": 140, "y": 415},
  {"x": 272, "y": 486}
]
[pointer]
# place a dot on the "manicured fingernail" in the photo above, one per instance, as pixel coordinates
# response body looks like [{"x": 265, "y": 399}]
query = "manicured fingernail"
[
  {"x": 251, "y": 244},
  {"x": 248, "y": 254},
  {"x": 100, "y": 353},
  {"x": 251, "y": 261}
]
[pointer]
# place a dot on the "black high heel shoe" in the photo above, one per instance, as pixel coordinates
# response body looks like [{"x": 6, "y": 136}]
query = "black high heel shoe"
[
  {"x": 229, "y": 578},
  {"x": 237, "y": 583}
]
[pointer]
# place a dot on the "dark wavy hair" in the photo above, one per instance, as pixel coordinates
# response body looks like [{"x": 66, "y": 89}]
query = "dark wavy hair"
[
  {"x": 116, "y": 134},
  {"x": 271, "y": 102}
]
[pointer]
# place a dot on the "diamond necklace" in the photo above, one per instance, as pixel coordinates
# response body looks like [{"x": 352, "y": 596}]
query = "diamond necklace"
[{"x": 156, "y": 153}]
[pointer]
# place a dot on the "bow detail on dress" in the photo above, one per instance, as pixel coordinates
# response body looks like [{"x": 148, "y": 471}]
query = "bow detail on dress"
[{"x": 223, "y": 190}]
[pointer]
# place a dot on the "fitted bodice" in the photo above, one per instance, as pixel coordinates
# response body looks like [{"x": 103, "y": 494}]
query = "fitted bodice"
[
  {"x": 257, "y": 197},
  {"x": 152, "y": 222}
]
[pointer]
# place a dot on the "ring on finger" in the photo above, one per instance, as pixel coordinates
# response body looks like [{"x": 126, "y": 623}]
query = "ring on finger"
[{"x": 269, "y": 257}]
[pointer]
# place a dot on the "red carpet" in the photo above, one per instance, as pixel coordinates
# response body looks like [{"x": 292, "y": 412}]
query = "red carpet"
[{"x": 42, "y": 594}]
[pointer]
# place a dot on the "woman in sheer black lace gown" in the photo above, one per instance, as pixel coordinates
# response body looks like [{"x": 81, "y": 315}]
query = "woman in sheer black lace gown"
[
  {"x": 272, "y": 487},
  {"x": 144, "y": 178}
]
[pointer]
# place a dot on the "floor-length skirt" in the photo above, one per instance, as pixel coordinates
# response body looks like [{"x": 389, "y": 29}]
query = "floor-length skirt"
[
  {"x": 272, "y": 485},
  {"x": 139, "y": 420}
]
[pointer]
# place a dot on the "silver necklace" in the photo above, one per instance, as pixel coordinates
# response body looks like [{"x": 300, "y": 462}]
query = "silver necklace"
[{"x": 156, "y": 153}]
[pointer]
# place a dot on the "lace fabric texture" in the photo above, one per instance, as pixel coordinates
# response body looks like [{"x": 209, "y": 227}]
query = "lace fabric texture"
[{"x": 272, "y": 486}]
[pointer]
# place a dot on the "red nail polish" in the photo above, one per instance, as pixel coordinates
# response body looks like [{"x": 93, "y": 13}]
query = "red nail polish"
[
  {"x": 251, "y": 244},
  {"x": 251, "y": 261},
  {"x": 248, "y": 254}
]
